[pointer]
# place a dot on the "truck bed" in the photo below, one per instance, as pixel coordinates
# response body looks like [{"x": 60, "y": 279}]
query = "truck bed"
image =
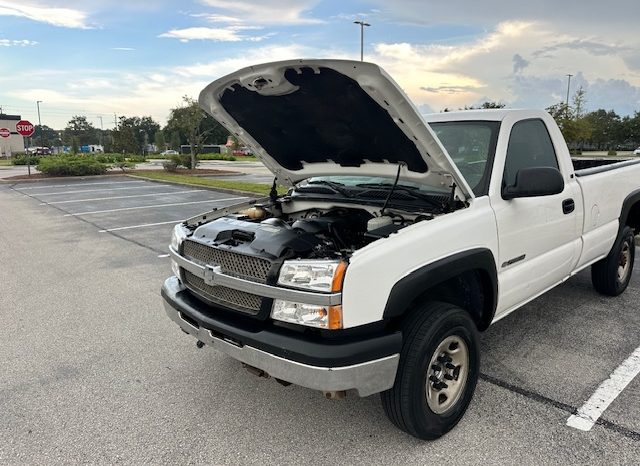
[{"x": 589, "y": 166}]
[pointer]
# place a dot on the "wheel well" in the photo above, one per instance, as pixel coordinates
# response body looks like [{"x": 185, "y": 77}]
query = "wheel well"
[
  {"x": 633, "y": 217},
  {"x": 472, "y": 291}
]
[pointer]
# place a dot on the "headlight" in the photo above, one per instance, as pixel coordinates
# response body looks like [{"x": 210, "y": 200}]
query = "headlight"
[
  {"x": 313, "y": 275},
  {"x": 177, "y": 237}
]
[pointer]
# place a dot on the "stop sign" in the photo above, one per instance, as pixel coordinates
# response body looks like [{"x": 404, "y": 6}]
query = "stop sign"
[
  {"x": 5, "y": 133},
  {"x": 25, "y": 128}
]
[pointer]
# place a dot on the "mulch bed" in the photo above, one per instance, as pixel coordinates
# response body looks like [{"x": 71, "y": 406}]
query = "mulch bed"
[{"x": 179, "y": 171}]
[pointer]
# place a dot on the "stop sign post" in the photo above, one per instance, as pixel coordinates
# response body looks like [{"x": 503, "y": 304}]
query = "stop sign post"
[{"x": 26, "y": 129}]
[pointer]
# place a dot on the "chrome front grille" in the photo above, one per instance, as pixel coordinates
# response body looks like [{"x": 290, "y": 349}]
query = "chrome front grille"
[
  {"x": 231, "y": 263},
  {"x": 227, "y": 297},
  {"x": 251, "y": 268}
]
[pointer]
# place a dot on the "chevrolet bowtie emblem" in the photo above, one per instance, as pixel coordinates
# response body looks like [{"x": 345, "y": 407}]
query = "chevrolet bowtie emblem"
[{"x": 210, "y": 272}]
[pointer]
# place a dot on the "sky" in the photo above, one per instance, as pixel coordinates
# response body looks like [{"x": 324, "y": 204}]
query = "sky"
[{"x": 138, "y": 58}]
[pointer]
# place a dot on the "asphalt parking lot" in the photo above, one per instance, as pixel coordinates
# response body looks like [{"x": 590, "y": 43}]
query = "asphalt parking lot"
[{"x": 92, "y": 370}]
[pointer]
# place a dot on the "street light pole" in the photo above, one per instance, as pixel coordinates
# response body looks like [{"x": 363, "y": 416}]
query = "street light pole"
[
  {"x": 38, "y": 102},
  {"x": 568, "y": 84},
  {"x": 101, "y": 130},
  {"x": 362, "y": 25}
]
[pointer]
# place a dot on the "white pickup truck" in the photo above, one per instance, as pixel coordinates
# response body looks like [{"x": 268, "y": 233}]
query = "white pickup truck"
[{"x": 401, "y": 237}]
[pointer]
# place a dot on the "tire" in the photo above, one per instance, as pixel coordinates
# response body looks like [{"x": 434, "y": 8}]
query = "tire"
[
  {"x": 610, "y": 276},
  {"x": 415, "y": 404}
]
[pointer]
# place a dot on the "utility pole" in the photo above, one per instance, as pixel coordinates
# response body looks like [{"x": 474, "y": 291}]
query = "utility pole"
[
  {"x": 362, "y": 25},
  {"x": 101, "y": 130},
  {"x": 38, "y": 102},
  {"x": 568, "y": 84},
  {"x": 115, "y": 122}
]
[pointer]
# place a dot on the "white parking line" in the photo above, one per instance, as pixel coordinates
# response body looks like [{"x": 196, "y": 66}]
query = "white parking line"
[
  {"x": 98, "y": 190},
  {"x": 153, "y": 206},
  {"x": 76, "y": 184},
  {"x": 123, "y": 197},
  {"x": 140, "y": 226},
  {"x": 590, "y": 412}
]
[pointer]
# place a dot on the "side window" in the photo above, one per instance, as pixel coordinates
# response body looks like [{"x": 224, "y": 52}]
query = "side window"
[{"x": 529, "y": 146}]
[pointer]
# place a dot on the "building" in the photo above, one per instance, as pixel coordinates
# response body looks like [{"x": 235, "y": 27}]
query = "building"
[{"x": 13, "y": 143}]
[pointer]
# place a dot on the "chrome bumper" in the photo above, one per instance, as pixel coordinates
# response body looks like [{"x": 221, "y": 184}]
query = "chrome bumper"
[{"x": 366, "y": 378}]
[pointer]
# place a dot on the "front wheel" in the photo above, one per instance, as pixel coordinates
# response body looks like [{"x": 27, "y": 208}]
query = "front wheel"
[
  {"x": 438, "y": 371},
  {"x": 610, "y": 276}
]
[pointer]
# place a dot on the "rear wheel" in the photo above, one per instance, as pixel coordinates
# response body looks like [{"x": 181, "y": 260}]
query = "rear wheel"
[
  {"x": 610, "y": 276},
  {"x": 438, "y": 371}
]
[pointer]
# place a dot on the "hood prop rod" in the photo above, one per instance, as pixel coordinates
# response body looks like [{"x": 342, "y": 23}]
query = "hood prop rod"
[{"x": 393, "y": 188}]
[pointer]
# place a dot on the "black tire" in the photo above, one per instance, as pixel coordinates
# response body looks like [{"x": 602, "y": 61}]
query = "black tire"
[
  {"x": 605, "y": 274},
  {"x": 424, "y": 329}
]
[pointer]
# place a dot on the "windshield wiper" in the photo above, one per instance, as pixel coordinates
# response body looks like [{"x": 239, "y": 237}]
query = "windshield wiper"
[
  {"x": 410, "y": 190},
  {"x": 337, "y": 187}
]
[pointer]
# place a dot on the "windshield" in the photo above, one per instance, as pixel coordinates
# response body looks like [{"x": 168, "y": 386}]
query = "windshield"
[{"x": 471, "y": 145}]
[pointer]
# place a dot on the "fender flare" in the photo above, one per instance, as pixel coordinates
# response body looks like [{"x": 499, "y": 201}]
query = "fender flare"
[
  {"x": 409, "y": 288},
  {"x": 628, "y": 203}
]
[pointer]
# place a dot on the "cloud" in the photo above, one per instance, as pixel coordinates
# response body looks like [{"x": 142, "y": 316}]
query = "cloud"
[
  {"x": 123, "y": 49},
  {"x": 274, "y": 12},
  {"x": 223, "y": 34},
  {"x": 16, "y": 43},
  {"x": 519, "y": 63},
  {"x": 62, "y": 17},
  {"x": 449, "y": 89}
]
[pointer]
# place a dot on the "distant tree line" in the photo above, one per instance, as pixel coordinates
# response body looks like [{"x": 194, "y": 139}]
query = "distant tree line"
[{"x": 188, "y": 124}]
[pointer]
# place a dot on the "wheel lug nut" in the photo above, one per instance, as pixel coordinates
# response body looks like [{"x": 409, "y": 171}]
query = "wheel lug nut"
[
  {"x": 444, "y": 359},
  {"x": 434, "y": 379},
  {"x": 436, "y": 368},
  {"x": 448, "y": 377},
  {"x": 449, "y": 366}
]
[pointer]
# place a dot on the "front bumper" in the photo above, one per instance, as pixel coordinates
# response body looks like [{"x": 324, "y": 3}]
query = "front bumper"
[{"x": 365, "y": 365}]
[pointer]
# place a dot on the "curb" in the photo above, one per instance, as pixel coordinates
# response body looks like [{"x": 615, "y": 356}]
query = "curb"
[
  {"x": 58, "y": 178},
  {"x": 209, "y": 188}
]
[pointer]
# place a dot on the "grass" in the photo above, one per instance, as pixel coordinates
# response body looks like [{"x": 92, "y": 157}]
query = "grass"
[
  {"x": 256, "y": 188},
  {"x": 5, "y": 163}
]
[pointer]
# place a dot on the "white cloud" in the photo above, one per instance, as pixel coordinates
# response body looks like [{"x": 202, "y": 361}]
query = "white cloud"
[
  {"x": 56, "y": 16},
  {"x": 220, "y": 34},
  {"x": 123, "y": 49},
  {"x": 280, "y": 12},
  {"x": 16, "y": 43}
]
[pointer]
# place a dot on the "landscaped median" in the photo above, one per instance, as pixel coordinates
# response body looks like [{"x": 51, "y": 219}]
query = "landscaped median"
[{"x": 257, "y": 188}]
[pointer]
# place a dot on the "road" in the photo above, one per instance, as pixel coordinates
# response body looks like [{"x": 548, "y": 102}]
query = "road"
[{"x": 92, "y": 370}]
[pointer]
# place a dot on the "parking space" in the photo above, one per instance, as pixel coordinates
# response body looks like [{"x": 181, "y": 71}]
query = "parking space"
[
  {"x": 137, "y": 210},
  {"x": 112, "y": 379}
]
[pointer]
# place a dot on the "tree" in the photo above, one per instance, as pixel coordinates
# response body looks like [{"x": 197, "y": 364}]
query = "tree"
[
  {"x": 159, "y": 141},
  {"x": 45, "y": 136},
  {"x": 80, "y": 129},
  {"x": 134, "y": 133},
  {"x": 195, "y": 127},
  {"x": 175, "y": 142},
  {"x": 575, "y": 128}
]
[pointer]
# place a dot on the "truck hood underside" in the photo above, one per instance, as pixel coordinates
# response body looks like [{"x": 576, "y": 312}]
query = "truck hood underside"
[{"x": 307, "y": 118}]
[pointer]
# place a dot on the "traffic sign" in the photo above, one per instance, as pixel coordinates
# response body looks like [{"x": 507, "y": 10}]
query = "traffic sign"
[
  {"x": 5, "y": 133},
  {"x": 25, "y": 128}
]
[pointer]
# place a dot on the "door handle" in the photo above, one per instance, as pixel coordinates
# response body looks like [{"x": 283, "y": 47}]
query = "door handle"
[{"x": 568, "y": 206}]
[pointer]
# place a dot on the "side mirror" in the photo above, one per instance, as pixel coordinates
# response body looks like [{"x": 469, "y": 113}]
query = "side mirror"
[{"x": 535, "y": 181}]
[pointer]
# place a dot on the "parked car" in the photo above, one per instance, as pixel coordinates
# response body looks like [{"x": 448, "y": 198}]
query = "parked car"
[
  {"x": 381, "y": 265},
  {"x": 637, "y": 151},
  {"x": 169, "y": 152}
]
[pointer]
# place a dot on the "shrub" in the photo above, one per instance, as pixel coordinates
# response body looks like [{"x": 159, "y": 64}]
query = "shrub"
[
  {"x": 612, "y": 152},
  {"x": 71, "y": 165},
  {"x": 136, "y": 158},
  {"x": 22, "y": 159},
  {"x": 170, "y": 166},
  {"x": 182, "y": 160},
  {"x": 216, "y": 157}
]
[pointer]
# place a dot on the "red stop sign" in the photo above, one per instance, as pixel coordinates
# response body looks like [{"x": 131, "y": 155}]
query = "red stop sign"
[
  {"x": 25, "y": 128},
  {"x": 5, "y": 133}
]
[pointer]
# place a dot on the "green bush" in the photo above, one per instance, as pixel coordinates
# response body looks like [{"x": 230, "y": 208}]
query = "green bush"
[
  {"x": 71, "y": 165},
  {"x": 612, "y": 152},
  {"x": 216, "y": 157},
  {"x": 170, "y": 165},
  {"x": 182, "y": 160},
  {"x": 22, "y": 160},
  {"x": 136, "y": 158}
]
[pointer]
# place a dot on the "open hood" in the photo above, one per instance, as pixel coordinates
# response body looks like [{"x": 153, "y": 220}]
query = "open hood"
[{"x": 307, "y": 118}]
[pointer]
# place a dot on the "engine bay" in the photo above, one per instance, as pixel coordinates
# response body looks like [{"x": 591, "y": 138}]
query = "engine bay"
[{"x": 274, "y": 232}]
